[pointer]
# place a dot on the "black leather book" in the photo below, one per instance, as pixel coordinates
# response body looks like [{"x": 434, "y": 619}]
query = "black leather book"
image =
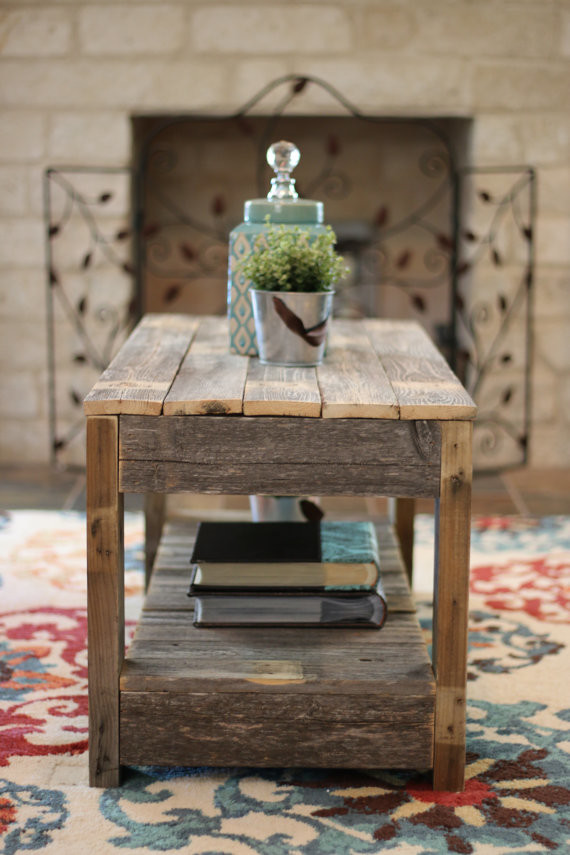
[
  {"x": 285, "y": 557},
  {"x": 251, "y": 542},
  {"x": 368, "y": 611}
]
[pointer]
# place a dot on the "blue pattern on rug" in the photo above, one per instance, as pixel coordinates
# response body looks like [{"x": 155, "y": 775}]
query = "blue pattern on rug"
[
  {"x": 28, "y": 817},
  {"x": 512, "y": 799}
]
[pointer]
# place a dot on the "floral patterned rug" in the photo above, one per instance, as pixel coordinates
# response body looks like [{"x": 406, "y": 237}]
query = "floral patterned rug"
[{"x": 517, "y": 798}]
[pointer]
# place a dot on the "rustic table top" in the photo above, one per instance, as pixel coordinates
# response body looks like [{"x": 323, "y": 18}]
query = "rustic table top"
[{"x": 176, "y": 365}]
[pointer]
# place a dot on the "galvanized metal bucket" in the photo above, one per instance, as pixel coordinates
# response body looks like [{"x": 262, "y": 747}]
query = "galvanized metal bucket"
[{"x": 291, "y": 326}]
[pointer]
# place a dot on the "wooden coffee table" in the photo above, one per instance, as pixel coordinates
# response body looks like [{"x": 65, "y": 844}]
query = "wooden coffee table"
[{"x": 175, "y": 412}]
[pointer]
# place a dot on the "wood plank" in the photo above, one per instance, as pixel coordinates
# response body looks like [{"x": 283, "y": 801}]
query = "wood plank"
[
  {"x": 161, "y": 625},
  {"x": 211, "y": 661},
  {"x": 352, "y": 380},
  {"x": 211, "y": 440},
  {"x": 453, "y": 522},
  {"x": 294, "y": 708},
  {"x": 352, "y": 670},
  {"x": 154, "y": 515},
  {"x": 424, "y": 384},
  {"x": 296, "y": 479},
  {"x": 279, "y": 456},
  {"x": 162, "y": 728},
  {"x": 400, "y": 338},
  {"x": 271, "y": 390},
  {"x": 141, "y": 374},
  {"x": 211, "y": 380},
  {"x": 404, "y": 513},
  {"x": 105, "y": 599}
]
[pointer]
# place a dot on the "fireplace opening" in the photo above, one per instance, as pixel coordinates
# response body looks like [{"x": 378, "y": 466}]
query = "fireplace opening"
[
  {"x": 428, "y": 235},
  {"x": 388, "y": 188}
]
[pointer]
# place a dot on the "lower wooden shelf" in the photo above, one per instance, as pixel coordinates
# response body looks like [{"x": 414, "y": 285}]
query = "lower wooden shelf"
[{"x": 274, "y": 697}]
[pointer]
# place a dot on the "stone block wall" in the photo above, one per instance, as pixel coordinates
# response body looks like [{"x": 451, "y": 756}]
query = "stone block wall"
[{"x": 72, "y": 75}]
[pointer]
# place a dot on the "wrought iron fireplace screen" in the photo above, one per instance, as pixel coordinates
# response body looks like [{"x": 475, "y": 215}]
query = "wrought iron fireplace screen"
[{"x": 455, "y": 250}]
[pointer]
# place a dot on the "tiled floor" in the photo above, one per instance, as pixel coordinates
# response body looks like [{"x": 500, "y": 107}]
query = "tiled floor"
[{"x": 529, "y": 492}]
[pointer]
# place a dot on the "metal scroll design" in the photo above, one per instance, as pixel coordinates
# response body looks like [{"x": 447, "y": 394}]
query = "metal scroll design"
[
  {"x": 458, "y": 255},
  {"x": 494, "y": 311},
  {"x": 91, "y": 301}
]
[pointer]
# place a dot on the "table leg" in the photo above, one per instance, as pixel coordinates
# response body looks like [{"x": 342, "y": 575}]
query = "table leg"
[
  {"x": 105, "y": 598},
  {"x": 453, "y": 527},
  {"x": 403, "y": 522},
  {"x": 154, "y": 513}
]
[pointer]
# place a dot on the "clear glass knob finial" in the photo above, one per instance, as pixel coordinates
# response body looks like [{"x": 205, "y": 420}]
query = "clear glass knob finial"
[{"x": 283, "y": 157}]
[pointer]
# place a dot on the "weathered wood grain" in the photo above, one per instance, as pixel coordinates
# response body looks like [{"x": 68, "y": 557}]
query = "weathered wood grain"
[
  {"x": 141, "y": 374},
  {"x": 105, "y": 599},
  {"x": 147, "y": 736},
  {"x": 279, "y": 440},
  {"x": 374, "y": 369},
  {"x": 400, "y": 338},
  {"x": 424, "y": 385},
  {"x": 352, "y": 380},
  {"x": 160, "y": 625},
  {"x": 294, "y": 708},
  {"x": 154, "y": 515},
  {"x": 212, "y": 337},
  {"x": 404, "y": 513},
  {"x": 349, "y": 670},
  {"x": 211, "y": 380},
  {"x": 453, "y": 521},
  {"x": 271, "y": 390},
  {"x": 297, "y": 479},
  {"x": 278, "y": 456}
]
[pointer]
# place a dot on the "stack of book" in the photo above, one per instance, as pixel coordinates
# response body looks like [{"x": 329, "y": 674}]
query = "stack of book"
[{"x": 287, "y": 574}]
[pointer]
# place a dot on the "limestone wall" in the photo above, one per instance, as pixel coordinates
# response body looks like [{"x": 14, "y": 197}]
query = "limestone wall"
[{"x": 72, "y": 74}]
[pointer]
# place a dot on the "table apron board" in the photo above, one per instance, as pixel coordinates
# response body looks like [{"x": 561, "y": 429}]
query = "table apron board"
[
  {"x": 279, "y": 455},
  {"x": 275, "y": 730}
]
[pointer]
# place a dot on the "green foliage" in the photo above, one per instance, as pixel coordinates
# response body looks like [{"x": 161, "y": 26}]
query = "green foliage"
[{"x": 292, "y": 259}]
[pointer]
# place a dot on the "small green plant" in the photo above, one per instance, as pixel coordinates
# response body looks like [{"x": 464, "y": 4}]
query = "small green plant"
[{"x": 289, "y": 258}]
